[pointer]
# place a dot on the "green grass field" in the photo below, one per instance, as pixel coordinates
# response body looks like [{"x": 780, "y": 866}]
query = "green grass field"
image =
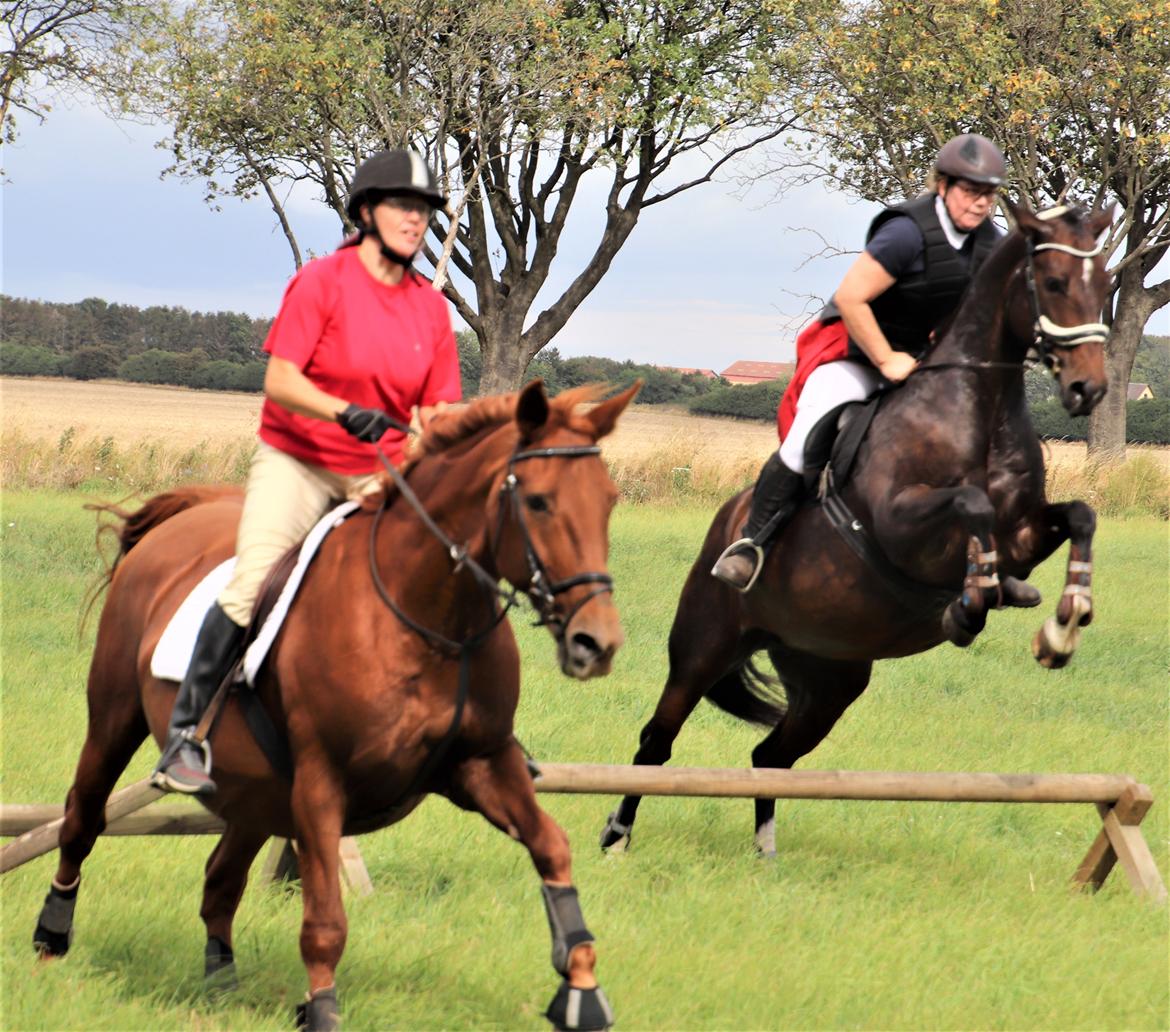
[{"x": 875, "y": 916}]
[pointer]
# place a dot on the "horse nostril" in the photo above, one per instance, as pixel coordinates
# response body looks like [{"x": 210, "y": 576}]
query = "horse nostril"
[{"x": 585, "y": 643}]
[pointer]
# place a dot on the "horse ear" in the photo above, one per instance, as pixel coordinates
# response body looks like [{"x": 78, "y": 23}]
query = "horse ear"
[
  {"x": 1100, "y": 220},
  {"x": 531, "y": 409},
  {"x": 604, "y": 416}
]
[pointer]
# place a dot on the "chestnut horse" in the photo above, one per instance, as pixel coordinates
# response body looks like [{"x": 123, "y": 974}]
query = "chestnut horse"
[
  {"x": 378, "y": 709},
  {"x": 949, "y": 483}
]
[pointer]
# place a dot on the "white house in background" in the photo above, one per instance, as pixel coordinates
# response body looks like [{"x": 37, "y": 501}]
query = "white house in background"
[
  {"x": 757, "y": 372},
  {"x": 1138, "y": 392}
]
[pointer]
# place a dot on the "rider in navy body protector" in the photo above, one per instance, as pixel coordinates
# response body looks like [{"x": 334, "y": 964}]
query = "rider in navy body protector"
[{"x": 918, "y": 259}]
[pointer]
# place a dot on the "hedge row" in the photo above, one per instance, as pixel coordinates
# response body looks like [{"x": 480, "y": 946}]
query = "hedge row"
[{"x": 1147, "y": 422}]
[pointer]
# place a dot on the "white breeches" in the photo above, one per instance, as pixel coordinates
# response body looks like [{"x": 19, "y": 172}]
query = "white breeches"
[{"x": 828, "y": 386}]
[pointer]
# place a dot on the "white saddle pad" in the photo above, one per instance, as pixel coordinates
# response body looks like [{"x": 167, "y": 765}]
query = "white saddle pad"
[{"x": 172, "y": 655}]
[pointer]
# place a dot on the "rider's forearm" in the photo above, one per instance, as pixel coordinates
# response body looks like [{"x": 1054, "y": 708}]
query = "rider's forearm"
[{"x": 286, "y": 385}]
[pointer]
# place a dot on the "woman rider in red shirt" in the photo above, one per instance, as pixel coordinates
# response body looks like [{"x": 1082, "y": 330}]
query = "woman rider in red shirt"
[{"x": 360, "y": 340}]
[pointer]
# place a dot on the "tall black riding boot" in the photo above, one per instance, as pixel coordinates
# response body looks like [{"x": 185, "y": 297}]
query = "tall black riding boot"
[
  {"x": 776, "y": 498},
  {"x": 185, "y": 764}
]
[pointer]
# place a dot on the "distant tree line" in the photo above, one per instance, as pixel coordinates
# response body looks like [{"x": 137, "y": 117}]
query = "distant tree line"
[{"x": 93, "y": 339}]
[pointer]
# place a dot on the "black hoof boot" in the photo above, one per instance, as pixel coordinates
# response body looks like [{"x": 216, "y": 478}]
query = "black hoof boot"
[
  {"x": 585, "y": 1009},
  {"x": 319, "y": 1012},
  {"x": 219, "y": 967},
  {"x": 54, "y": 932},
  {"x": 615, "y": 837}
]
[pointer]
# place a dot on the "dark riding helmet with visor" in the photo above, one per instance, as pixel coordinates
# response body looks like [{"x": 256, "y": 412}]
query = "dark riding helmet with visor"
[
  {"x": 971, "y": 157},
  {"x": 397, "y": 172}
]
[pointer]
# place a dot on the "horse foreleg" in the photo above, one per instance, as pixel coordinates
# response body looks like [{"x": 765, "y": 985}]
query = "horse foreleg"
[
  {"x": 318, "y": 805},
  {"x": 224, "y": 879},
  {"x": 932, "y": 511},
  {"x": 818, "y": 692},
  {"x": 500, "y": 787},
  {"x": 116, "y": 729},
  {"x": 704, "y": 645},
  {"x": 1058, "y": 637}
]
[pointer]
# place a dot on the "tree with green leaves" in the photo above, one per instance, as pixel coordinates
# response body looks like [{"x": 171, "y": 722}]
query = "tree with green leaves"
[
  {"x": 1076, "y": 92},
  {"x": 54, "y": 46},
  {"x": 517, "y": 102}
]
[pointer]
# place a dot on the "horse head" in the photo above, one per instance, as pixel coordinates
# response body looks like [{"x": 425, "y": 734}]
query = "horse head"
[
  {"x": 552, "y": 503},
  {"x": 1065, "y": 287}
]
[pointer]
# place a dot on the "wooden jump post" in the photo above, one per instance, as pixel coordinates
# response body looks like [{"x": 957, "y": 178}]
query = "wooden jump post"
[{"x": 1121, "y": 802}]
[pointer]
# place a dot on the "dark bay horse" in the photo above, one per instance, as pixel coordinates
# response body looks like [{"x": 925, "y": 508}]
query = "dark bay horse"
[
  {"x": 949, "y": 482},
  {"x": 377, "y": 713}
]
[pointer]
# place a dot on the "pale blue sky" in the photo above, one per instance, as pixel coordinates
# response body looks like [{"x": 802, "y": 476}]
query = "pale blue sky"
[
  {"x": 706, "y": 278},
  {"x": 702, "y": 280}
]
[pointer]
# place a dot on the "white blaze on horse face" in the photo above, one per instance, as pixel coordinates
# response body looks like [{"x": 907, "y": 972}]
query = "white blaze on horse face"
[{"x": 1087, "y": 271}]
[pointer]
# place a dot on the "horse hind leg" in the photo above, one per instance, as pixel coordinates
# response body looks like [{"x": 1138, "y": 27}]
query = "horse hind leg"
[
  {"x": 117, "y": 727},
  {"x": 500, "y": 787},
  {"x": 225, "y": 876},
  {"x": 819, "y": 691}
]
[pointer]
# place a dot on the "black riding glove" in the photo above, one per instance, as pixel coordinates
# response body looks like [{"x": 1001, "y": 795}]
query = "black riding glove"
[{"x": 366, "y": 424}]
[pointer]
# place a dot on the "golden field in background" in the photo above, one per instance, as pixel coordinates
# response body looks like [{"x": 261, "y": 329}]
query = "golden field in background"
[
  {"x": 140, "y": 439},
  {"x": 132, "y": 413}
]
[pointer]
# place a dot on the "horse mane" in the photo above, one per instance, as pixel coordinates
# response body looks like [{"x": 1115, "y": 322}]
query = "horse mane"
[{"x": 452, "y": 427}]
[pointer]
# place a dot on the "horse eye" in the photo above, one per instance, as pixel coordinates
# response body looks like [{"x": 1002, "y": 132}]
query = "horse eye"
[
  {"x": 1056, "y": 285},
  {"x": 536, "y": 502}
]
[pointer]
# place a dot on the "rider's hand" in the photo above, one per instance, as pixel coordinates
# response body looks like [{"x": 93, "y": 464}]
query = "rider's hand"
[
  {"x": 898, "y": 366},
  {"x": 366, "y": 424}
]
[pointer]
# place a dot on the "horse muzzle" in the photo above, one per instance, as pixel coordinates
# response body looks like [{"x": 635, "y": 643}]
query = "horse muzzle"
[
  {"x": 587, "y": 648},
  {"x": 1080, "y": 397}
]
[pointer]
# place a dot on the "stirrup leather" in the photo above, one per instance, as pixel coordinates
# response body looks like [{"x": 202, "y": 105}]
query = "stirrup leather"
[{"x": 745, "y": 544}]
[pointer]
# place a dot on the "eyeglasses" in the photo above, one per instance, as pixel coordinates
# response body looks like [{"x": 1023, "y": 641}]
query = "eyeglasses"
[
  {"x": 414, "y": 205},
  {"x": 975, "y": 189}
]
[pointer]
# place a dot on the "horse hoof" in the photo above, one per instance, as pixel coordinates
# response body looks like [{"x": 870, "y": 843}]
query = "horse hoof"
[
  {"x": 319, "y": 1012},
  {"x": 579, "y": 1010},
  {"x": 51, "y": 944},
  {"x": 954, "y": 632},
  {"x": 1055, "y": 643},
  {"x": 615, "y": 838}
]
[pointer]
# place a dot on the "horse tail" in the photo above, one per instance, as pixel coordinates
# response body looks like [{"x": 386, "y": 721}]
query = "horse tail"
[
  {"x": 128, "y": 527},
  {"x": 748, "y": 693}
]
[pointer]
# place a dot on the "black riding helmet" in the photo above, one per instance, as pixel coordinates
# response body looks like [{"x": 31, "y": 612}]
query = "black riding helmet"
[
  {"x": 971, "y": 157},
  {"x": 389, "y": 172}
]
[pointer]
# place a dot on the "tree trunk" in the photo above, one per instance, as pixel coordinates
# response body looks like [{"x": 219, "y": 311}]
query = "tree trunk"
[{"x": 1133, "y": 306}]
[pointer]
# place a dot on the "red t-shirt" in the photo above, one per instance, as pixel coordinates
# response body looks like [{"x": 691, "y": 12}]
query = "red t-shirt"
[{"x": 377, "y": 346}]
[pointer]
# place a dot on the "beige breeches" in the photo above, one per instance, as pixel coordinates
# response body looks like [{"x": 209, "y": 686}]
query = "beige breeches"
[{"x": 283, "y": 499}]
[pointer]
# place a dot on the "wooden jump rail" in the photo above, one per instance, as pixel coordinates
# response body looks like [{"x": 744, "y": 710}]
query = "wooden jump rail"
[{"x": 1121, "y": 802}]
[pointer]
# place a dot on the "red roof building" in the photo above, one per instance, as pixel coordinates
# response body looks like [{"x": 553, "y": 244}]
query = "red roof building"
[
  {"x": 757, "y": 372},
  {"x": 1138, "y": 392}
]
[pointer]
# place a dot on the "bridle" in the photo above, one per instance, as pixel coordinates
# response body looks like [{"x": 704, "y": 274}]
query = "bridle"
[
  {"x": 541, "y": 590},
  {"x": 1046, "y": 334}
]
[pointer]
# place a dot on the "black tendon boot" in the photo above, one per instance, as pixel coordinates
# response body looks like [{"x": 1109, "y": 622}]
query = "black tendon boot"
[
  {"x": 185, "y": 764},
  {"x": 776, "y": 497}
]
